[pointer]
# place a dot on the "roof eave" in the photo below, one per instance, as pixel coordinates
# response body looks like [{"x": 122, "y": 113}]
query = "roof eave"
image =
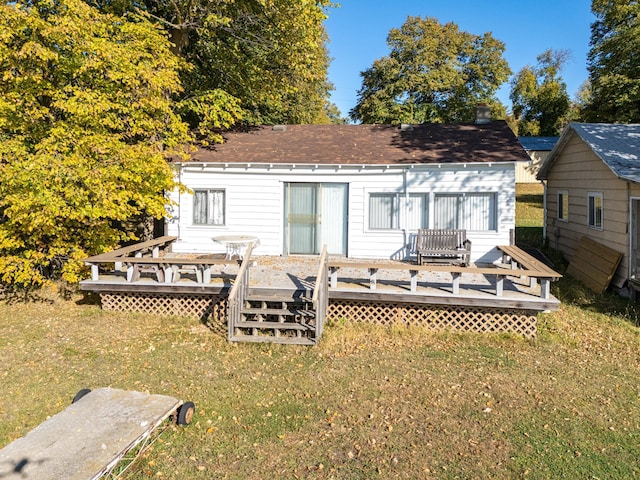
[{"x": 555, "y": 151}]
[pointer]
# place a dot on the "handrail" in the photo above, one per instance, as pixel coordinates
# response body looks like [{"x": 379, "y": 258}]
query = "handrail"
[
  {"x": 321, "y": 274},
  {"x": 320, "y": 296},
  {"x": 236, "y": 297},
  {"x": 241, "y": 272}
]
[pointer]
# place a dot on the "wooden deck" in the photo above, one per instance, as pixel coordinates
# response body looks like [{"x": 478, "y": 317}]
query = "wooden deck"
[
  {"x": 348, "y": 280},
  {"x": 286, "y": 299}
]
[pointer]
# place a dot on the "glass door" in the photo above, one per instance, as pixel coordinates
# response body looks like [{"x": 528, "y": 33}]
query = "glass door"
[{"x": 315, "y": 214}]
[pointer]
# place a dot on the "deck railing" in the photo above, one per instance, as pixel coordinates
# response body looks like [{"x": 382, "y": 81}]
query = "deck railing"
[
  {"x": 238, "y": 294},
  {"x": 544, "y": 275},
  {"x": 150, "y": 257},
  {"x": 321, "y": 293}
]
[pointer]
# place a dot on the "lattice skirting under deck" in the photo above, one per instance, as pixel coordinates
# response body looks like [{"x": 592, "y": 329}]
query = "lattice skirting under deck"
[
  {"x": 203, "y": 307},
  {"x": 462, "y": 319},
  {"x": 212, "y": 309}
]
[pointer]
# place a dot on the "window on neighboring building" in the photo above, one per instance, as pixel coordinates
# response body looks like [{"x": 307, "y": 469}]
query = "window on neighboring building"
[
  {"x": 594, "y": 204},
  {"x": 383, "y": 211},
  {"x": 209, "y": 207},
  {"x": 563, "y": 206},
  {"x": 469, "y": 211}
]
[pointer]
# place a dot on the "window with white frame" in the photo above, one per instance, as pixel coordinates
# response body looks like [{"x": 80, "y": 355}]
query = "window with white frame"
[
  {"x": 563, "y": 205},
  {"x": 209, "y": 207},
  {"x": 383, "y": 211},
  {"x": 594, "y": 214},
  {"x": 417, "y": 211},
  {"x": 469, "y": 211}
]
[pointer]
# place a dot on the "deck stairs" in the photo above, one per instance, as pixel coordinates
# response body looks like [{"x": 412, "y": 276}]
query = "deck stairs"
[
  {"x": 294, "y": 316},
  {"x": 287, "y": 317}
]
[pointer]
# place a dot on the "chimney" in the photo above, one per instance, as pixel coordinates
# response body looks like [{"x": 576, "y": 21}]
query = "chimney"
[{"x": 483, "y": 113}]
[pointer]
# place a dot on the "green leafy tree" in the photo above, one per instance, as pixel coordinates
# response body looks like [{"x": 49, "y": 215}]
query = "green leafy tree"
[
  {"x": 539, "y": 95},
  {"x": 433, "y": 73},
  {"x": 613, "y": 62},
  {"x": 268, "y": 56},
  {"x": 334, "y": 115},
  {"x": 580, "y": 103},
  {"x": 86, "y": 124}
]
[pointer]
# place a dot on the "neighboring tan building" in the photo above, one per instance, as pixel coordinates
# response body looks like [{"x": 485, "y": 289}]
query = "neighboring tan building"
[
  {"x": 363, "y": 190},
  {"x": 592, "y": 189},
  {"x": 538, "y": 149}
]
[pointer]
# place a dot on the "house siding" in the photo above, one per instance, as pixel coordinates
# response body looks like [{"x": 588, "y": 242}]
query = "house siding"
[
  {"x": 255, "y": 196},
  {"x": 526, "y": 171},
  {"x": 578, "y": 170}
]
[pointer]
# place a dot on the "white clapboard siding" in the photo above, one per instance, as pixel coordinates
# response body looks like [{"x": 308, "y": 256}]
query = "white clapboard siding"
[{"x": 255, "y": 204}]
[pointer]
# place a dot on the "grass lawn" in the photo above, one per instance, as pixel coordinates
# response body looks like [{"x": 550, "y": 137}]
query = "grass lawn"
[{"x": 368, "y": 402}]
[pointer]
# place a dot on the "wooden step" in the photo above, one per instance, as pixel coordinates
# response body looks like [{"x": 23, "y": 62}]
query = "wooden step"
[
  {"x": 277, "y": 298},
  {"x": 278, "y": 311},
  {"x": 268, "y": 339},
  {"x": 274, "y": 325}
]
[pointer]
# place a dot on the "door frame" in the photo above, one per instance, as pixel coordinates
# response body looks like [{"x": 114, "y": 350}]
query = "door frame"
[{"x": 319, "y": 214}]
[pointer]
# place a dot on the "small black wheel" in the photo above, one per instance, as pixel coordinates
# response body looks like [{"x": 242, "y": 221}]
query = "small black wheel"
[
  {"x": 80, "y": 394},
  {"x": 185, "y": 413}
]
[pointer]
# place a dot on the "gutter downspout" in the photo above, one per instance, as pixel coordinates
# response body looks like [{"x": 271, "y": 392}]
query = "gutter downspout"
[
  {"x": 402, "y": 219},
  {"x": 544, "y": 210}
]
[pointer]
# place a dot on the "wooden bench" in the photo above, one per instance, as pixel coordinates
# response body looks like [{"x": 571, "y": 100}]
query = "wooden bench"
[
  {"x": 531, "y": 267},
  {"x": 152, "y": 248},
  {"x": 443, "y": 246}
]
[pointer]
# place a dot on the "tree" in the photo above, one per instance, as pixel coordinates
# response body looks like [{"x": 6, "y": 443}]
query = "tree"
[
  {"x": 268, "y": 55},
  {"x": 580, "y": 103},
  {"x": 433, "y": 73},
  {"x": 539, "y": 95},
  {"x": 334, "y": 114},
  {"x": 613, "y": 62},
  {"x": 86, "y": 124}
]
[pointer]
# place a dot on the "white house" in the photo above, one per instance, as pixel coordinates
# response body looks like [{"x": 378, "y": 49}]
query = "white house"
[{"x": 363, "y": 190}]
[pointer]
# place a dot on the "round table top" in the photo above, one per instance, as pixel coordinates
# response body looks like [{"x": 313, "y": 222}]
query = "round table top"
[{"x": 235, "y": 239}]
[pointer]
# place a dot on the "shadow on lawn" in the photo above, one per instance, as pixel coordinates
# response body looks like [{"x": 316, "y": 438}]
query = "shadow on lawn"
[{"x": 529, "y": 237}]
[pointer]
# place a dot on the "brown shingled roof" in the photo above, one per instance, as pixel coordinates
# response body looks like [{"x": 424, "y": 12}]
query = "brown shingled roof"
[{"x": 368, "y": 144}]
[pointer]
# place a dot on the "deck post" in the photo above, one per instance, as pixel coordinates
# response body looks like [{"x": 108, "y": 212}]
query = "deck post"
[
  {"x": 95, "y": 272},
  {"x": 333, "y": 272},
  {"x": 133, "y": 273},
  {"x": 499, "y": 285},
  {"x": 456, "y": 282},
  {"x": 545, "y": 288},
  {"x": 168, "y": 273},
  {"x": 373, "y": 278},
  {"x": 206, "y": 274},
  {"x": 414, "y": 280}
]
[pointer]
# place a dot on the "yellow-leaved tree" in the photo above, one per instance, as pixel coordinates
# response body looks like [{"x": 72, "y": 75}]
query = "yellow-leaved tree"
[{"x": 86, "y": 124}]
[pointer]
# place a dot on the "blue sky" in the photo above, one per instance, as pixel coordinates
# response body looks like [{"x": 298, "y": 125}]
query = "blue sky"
[{"x": 358, "y": 31}]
